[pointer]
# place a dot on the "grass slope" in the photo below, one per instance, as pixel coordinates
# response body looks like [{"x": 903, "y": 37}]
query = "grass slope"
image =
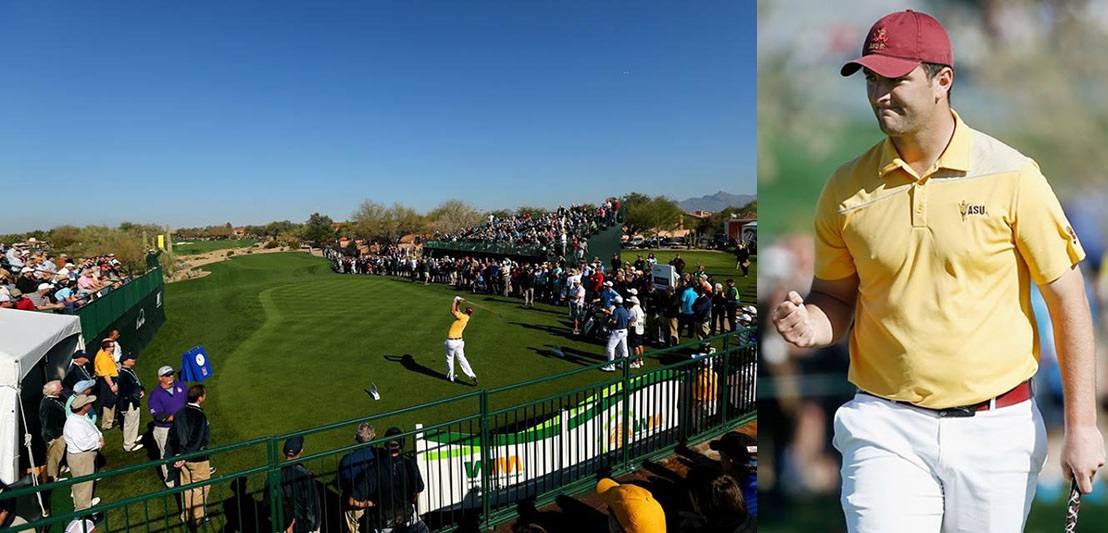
[{"x": 200, "y": 247}]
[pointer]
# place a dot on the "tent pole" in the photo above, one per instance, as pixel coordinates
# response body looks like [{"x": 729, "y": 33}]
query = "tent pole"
[{"x": 27, "y": 443}]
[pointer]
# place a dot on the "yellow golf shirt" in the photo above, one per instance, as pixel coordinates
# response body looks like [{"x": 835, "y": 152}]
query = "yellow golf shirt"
[
  {"x": 104, "y": 364},
  {"x": 459, "y": 325},
  {"x": 945, "y": 263}
]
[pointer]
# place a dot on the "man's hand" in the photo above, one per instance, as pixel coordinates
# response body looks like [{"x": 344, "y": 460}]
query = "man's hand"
[
  {"x": 178, "y": 464},
  {"x": 1082, "y": 455},
  {"x": 794, "y": 322}
]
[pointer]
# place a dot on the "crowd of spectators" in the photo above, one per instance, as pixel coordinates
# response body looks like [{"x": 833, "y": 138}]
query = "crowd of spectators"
[
  {"x": 40, "y": 280},
  {"x": 564, "y": 232},
  {"x": 698, "y": 306}
]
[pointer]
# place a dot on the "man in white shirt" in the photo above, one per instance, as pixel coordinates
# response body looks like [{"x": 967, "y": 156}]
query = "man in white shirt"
[
  {"x": 576, "y": 304},
  {"x": 15, "y": 257},
  {"x": 118, "y": 352},
  {"x": 83, "y": 440}
]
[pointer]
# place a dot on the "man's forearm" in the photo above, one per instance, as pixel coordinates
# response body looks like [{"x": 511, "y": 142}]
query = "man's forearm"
[
  {"x": 830, "y": 318},
  {"x": 1074, "y": 341}
]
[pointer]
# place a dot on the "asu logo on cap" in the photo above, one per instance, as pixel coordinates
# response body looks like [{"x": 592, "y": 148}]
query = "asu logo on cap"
[
  {"x": 877, "y": 39},
  {"x": 965, "y": 208}
]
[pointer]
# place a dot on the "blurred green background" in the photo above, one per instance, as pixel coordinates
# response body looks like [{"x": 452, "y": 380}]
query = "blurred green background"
[{"x": 1028, "y": 73}]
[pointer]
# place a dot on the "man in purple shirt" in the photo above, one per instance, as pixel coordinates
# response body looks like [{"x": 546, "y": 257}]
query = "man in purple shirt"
[{"x": 167, "y": 398}]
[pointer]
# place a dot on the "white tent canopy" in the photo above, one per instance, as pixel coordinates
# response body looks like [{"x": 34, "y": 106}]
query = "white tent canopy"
[{"x": 34, "y": 347}]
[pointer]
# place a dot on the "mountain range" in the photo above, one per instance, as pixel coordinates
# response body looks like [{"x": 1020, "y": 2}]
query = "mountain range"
[{"x": 716, "y": 202}]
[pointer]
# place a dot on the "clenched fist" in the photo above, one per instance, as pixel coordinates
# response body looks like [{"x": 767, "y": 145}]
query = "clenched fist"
[{"x": 794, "y": 322}]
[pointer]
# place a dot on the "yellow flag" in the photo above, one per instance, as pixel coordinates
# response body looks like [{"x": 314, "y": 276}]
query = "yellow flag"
[{"x": 161, "y": 242}]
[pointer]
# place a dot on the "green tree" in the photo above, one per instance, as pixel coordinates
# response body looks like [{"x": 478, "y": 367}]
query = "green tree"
[
  {"x": 220, "y": 232},
  {"x": 535, "y": 212},
  {"x": 373, "y": 221},
  {"x": 453, "y": 216},
  {"x": 318, "y": 229},
  {"x": 649, "y": 215},
  {"x": 500, "y": 213},
  {"x": 749, "y": 210},
  {"x": 366, "y": 221},
  {"x": 63, "y": 237}
]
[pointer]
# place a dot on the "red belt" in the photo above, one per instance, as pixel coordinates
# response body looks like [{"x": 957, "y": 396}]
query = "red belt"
[{"x": 1021, "y": 393}]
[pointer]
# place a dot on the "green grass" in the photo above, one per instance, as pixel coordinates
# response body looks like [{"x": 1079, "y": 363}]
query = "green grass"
[
  {"x": 200, "y": 247},
  {"x": 788, "y": 200},
  {"x": 719, "y": 265},
  {"x": 293, "y": 346}
]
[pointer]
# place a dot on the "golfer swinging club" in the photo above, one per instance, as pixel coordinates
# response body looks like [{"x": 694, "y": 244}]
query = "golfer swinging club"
[
  {"x": 455, "y": 346},
  {"x": 926, "y": 249}
]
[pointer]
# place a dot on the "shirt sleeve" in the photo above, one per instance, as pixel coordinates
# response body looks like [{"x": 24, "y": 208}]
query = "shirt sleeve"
[
  {"x": 833, "y": 259},
  {"x": 1044, "y": 237}
]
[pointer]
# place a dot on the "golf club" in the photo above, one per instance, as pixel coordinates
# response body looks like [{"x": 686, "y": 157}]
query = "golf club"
[{"x": 481, "y": 307}]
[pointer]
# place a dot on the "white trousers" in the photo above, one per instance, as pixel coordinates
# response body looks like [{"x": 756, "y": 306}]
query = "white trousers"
[
  {"x": 907, "y": 469},
  {"x": 160, "y": 436},
  {"x": 617, "y": 344},
  {"x": 457, "y": 348}
]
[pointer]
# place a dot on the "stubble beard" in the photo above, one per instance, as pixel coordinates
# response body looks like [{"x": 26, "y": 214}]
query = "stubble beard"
[{"x": 895, "y": 125}]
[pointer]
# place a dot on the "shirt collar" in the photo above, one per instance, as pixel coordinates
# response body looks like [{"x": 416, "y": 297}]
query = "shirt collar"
[{"x": 956, "y": 157}]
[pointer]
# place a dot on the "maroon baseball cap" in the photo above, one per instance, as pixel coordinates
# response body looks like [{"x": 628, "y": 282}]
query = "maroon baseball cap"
[{"x": 899, "y": 42}]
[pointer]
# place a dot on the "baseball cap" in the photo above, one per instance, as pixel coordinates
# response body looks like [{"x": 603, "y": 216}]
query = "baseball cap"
[
  {"x": 15, "y": 293},
  {"x": 25, "y": 270},
  {"x": 633, "y": 299},
  {"x": 45, "y": 286},
  {"x": 83, "y": 400},
  {"x": 83, "y": 386},
  {"x": 738, "y": 446},
  {"x": 126, "y": 356},
  {"x": 633, "y": 506},
  {"x": 294, "y": 445},
  {"x": 617, "y": 300},
  {"x": 395, "y": 443},
  {"x": 5, "y": 298},
  {"x": 79, "y": 354},
  {"x": 165, "y": 371},
  {"x": 899, "y": 42}
]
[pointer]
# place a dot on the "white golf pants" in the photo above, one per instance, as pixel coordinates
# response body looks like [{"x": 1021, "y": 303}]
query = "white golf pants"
[
  {"x": 907, "y": 469},
  {"x": 617, "y": 344},
  {"x": 457, "y": 348}
]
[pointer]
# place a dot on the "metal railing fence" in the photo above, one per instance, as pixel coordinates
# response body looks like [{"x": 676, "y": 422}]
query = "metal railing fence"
[{"x": 473, "y": 470}]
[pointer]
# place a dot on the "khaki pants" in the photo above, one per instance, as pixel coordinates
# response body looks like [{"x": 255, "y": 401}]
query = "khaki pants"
[
  {"x": 107, "y": 420},
  {"x": 82, "y": 464},
  {"x": 55, "y": 451},
  {"x": 130, "y": 428},
  {"x": 703, "y": 329},
  {"x": 160, "y": 436},
  {"x": 197, "y": 472},
  {"x": 671, "y": 330},
  {"x": 353, "y": 516}
]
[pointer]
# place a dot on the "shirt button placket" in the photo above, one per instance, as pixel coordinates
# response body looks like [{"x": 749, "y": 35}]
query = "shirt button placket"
[{"x": 919, "y": 202}]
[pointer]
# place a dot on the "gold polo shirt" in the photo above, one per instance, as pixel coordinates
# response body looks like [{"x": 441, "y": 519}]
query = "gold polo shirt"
[{"x": 945, "y": 263}]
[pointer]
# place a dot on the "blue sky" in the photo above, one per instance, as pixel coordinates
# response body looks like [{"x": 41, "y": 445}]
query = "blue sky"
[{"x": 197, "y": 113}]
